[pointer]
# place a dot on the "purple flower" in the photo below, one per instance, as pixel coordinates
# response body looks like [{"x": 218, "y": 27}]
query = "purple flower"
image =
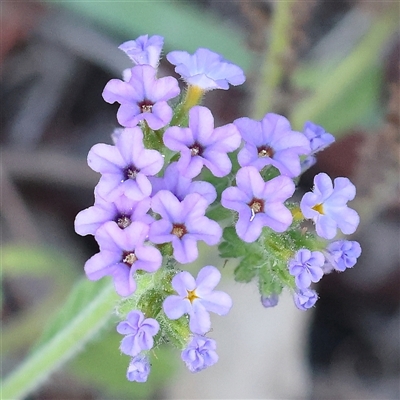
[
  {"x": 122, "y": 253},
  {"x": 144, "y": 50},
  {"x": 343, "y": 254},
  {"x": 181, "y": 186},
  {"x": 122, "y": 211},
  {"x": 271, "y": 141},
  {"x": 327, "y": 206},
  {"x": 139, "y": 369},
  {"x": 306, "y": 267},
  {"x": 305, "y": 298},
  {"x": 200, "y": 353},
  {"x": 318, "y": 137},
  {"x": 269, "y": 301},
  {"x": 201, "y": 144},
  {"x": 196, "y": 298},
  {"x": 258, "y": 203},
  {"x": 139, "y": 333},
  {"x": 125, "y": 166},
  {"x": 206, "y": 69},
  {"x": 183, "y": 223},
  {"x": 143, "y": 97}
]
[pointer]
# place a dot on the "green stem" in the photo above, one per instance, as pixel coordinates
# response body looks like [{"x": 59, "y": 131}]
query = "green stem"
[
  {"x": 65, "y": 344},
  {"x": 272, "y": 71}
]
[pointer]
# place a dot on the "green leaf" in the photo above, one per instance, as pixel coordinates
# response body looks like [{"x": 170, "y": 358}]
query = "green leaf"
[
  {"x": 246, "y": 270},
  {"x": 232, "y": 246},
  {"x": 218, "y": 213}
]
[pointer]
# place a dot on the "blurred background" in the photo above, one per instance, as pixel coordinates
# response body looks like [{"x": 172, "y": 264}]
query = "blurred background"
[{"x": 335, "y": 63}]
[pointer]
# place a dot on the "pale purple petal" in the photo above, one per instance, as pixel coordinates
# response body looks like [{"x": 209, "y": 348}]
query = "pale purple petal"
[
  {"x": 144, "y": 50},
  {"x": 206, "y": 69},
  {"x": 174, "y": 307}
]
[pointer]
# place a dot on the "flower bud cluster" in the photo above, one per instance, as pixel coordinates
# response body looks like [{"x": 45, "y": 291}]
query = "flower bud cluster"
[{"x": 167, "y": 181}]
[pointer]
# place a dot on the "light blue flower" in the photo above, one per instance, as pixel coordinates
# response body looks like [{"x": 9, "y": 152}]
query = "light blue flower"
[
  {"x": 327, "y": 206},
  {"x": 196, "y": 298},
  {"x": 200, "y": 353}
]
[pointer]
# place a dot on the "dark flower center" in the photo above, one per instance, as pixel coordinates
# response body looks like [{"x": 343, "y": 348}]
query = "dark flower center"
[
  {"x": 128, "y": 258},
  {"x": 196, "y": 149},
  {"x": 130, "y": 172},
  {"x": 256, "y": 206},
  {"x": 146, "y": 106},
  {"x": 123, "y": 221},
  {"x": 179, "y": 230},
  {"x": 265, "y": 151}
]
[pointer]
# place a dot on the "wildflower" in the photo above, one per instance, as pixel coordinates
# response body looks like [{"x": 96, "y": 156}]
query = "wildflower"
[
  {"x": 139, "y": 369},
  {"x": 270, "y": 301},
  {"x": 318, "y": 137},
  {"x": 125, "y": 166},
  {"x": 139, "y": 333},
  {"x": 144, "y": 50},
  {"x": 183, "y": 223},
  {"x": 196, "y": 298},
  {"x": 343, "y": 254},
  {"x": 258, "y": 203},
  {"x": 305, "y": 298},
  {"x": 200, "y": 144},
  {"x": 206, "y": 69},
  {"x": 122, "y": 253},
  {"x": 271, "y": 141},
  {"x": 181, "y": 186},
  {"x": 326, "y": 205},
  {"x": 142, "y": 97},
  {"x": 122, "y": 211},
  {"x": 306, "y": 267},
  {"x": 200, "y": 353}
]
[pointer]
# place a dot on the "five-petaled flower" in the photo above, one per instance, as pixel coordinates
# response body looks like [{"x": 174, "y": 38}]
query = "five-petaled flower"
[
  {"x": 327, "y": 206},
  {"x": 142, "y": 97},
  {"x": 272, "y": 141},
  {"x": 138, "y": 369},
  {"x": 259, "y": 203},
  {"x": 139, "y": 333},
  {"x": 343, "y": 254},
  {"x": 306, "y": 267},
  {"x": 144, "y": 50},
  {"x": 200, "y": 353},
  {"x": 200, "y": 144},
  {"x": 125, "y": 166},
  {"x": 122, "y": 211},
  {"x": 183, "y": 223},
  {"x": 122, "y": 253},
  {"x": 196, "y": 298},
  {"x": 206, "y": 69},
  {"x": 305, "y": 298}
]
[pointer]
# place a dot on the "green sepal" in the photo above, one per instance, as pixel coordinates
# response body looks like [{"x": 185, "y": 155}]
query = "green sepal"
[
  {"x": 231, "y": 245},
  {"x": 245, "y": 271},
  {"x": 177, "y": 331}
]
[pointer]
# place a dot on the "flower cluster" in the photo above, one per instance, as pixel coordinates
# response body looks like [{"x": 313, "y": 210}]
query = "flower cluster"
[{"x": 171, "y": 176}]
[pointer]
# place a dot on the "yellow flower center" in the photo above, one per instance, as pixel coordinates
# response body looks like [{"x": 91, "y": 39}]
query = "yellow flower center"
[
  {"x": 191, "y": 295},
  {"x": 319, "y": 208}
]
